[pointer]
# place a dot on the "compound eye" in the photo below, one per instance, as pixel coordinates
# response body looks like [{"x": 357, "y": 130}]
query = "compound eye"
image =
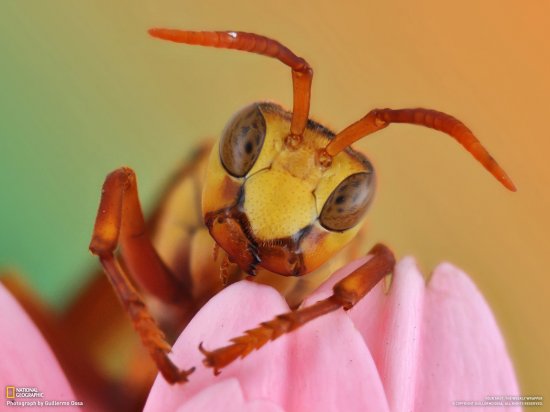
[
  {"x": 348, "y": 203},
  {"x": 242, "y": 141}
]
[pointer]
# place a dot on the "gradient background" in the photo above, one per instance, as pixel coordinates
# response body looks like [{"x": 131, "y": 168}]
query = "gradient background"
[{"x": 84, "y": 90}]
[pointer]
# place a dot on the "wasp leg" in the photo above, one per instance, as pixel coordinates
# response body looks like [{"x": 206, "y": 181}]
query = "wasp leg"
[
  {"x": 346, "y": 293},
  {"x": 120, "y": 221}
]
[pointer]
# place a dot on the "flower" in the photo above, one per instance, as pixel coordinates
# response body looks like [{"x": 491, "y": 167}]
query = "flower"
[
  {"x": 27, "y": 360},
  {"x": 416, "y": 347}
]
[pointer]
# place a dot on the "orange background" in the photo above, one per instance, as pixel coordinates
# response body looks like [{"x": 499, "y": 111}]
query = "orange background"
[{"x": 84, "y": 90}]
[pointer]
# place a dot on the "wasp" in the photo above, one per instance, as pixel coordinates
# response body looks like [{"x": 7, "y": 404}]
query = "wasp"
[{"x": 280, "y": 196}]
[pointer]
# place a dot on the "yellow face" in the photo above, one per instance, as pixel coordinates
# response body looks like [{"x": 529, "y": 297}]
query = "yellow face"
[{"x": 270, "y": 205}]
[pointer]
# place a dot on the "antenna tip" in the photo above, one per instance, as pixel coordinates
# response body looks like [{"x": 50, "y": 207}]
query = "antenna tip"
[
  {"x": 503, "y": 178},
  {"x": 155, "y": 32},
  {"x": 166, "y": 34},
  {"x": 508, "y": 184}
]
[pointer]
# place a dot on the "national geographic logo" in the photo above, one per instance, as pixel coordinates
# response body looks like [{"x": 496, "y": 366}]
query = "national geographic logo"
[
  {"x": 13, "y": 392},
  {"x": 30, "y": 396}
]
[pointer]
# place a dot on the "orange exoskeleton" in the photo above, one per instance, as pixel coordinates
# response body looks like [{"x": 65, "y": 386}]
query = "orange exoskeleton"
[{"x": 281, "y": 196}]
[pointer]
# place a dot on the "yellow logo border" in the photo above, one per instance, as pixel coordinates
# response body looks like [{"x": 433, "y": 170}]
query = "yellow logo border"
[{"x": 12, "y": 390}]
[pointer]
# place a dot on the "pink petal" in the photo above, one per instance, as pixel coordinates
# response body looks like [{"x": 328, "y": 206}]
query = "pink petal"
[
  {"x": 27, "y": 360},
  {"x": 333, "y": 369},
  {"x": 226, "y": 396},
  {"x": 433, "y": 345},
  {"x": 463, "y": 356},
  {"x": 323, "y": 366},
  {"x": 237, "y": 308},
  {"x": 390, "y": 325}
]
